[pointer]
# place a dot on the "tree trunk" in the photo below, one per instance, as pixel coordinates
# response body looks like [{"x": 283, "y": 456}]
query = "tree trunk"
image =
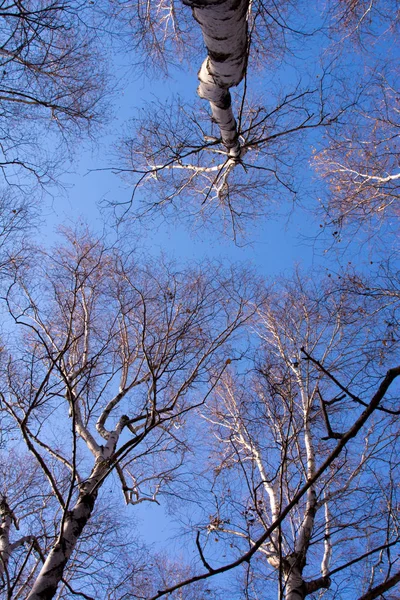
[
  {"x": 295, "y": 586},
  {"x": 75, "y": 520},
  {"x": 5, "y": 549},
  {"x": 52, "y": 571},
  {"x": 224, "y": 27}
]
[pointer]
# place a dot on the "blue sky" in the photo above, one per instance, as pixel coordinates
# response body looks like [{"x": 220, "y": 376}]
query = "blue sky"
[{"x": 272, "y": 245}]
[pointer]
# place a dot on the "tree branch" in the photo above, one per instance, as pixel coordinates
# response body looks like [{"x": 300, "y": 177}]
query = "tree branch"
[{"x": 390, "y": 376}]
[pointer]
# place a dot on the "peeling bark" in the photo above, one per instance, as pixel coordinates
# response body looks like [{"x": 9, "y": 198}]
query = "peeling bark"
[{"x": 224, "y": 27}]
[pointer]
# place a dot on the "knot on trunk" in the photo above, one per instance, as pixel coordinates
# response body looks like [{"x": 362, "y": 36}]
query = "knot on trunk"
[{"x": 317, "y": 584}]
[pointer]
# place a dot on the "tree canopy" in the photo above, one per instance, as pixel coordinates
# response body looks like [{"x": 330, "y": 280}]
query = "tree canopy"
[{"x": 259, "y": 412}]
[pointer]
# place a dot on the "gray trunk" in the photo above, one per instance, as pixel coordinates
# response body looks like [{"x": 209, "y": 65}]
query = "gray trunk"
[{"x": 295, "y": 586}]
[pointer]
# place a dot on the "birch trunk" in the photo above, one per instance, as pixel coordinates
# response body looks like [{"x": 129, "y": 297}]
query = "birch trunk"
[
  {"x": 52, "y": 571},
  {"x": 75, "y": 520},
  {"x": 224, "y": 27},
  {"x": 5, "y": 548},
  {"x": 295, "y": 586}
]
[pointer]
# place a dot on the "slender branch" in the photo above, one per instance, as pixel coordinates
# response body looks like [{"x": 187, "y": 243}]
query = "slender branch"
[
  {"x": 203, "y": 560},
  {"x": 74, "y": 592},
  {"x": 378, "y": 590},
  {"x": 359, "y": 558}
]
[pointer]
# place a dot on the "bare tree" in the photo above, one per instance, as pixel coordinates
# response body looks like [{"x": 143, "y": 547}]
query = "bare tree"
[
  {"x": 277, "y": 435},
  {"x": 224, "y": 26},
  {"x": 240, "y": 157},
  {"x": 312, "y": 506},
  {"x": 51, "y": 84},
  {"x": 360, "y": 162},
  {"x": 177, "y": 167},
  {"x": 114, "y": 356}
]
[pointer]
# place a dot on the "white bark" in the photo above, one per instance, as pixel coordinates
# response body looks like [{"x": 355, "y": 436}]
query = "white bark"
[
  {"x": 74, "y": 522},
  {"x": 5, "y": 546},
  {"x": 360, "y": 177},
  {"x": 52, "y": 571},
  {"x": 296, "y": 588},
  {"x": 224, "y": 27},
  {"x": 326, "y": 560}
]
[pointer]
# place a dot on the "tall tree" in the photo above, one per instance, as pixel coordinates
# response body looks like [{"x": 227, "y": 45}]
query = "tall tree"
[
  {"x": 279, "y": 433},
  {"x": 224, "y": 27},
  {"x": 239, "y": 162},
  {"x": 304, "y": 503},
  {"x": 114, "y": 356}
]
